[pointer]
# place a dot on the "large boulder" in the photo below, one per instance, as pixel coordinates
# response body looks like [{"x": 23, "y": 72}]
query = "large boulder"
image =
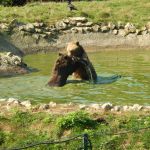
[{"x": 11, "y": 64}]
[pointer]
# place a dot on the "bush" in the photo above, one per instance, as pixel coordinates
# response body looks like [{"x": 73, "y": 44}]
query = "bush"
[
  {"x": 77, "y": 119},
  {"x": 2, "y": 137},
  {"x": 13, "y": 2},
  {"x": 6, "y": 2},
  {"x": 22, "y": 119}
]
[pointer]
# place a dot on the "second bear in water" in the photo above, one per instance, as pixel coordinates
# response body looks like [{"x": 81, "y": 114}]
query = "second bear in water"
[{"x": 86, "y": 71}]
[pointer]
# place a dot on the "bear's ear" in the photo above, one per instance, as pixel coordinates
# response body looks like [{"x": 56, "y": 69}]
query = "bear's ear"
[
  {"x": 60, "y": 54},
  {"x": 77, "y": 43}
]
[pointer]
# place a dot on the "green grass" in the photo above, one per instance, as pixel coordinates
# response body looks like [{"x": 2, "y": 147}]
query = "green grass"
[
  {"x": 135, "y": 11},
  {"x": 21, "y": 128}
]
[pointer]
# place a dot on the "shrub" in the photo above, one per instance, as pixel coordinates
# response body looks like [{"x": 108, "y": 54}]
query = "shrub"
[
  {"x": 13, "y": 2},
  {"x": 22, "y": 118},
  {"x": 77, "y": 119},
  {"x": 6, "y": 2},
  {"x": 2, "y": 137}
]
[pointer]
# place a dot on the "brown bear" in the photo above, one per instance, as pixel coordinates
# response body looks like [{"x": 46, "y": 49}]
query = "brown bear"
[
  {"x": 65, "y": 65},
  {"x": 86, "y": 71}
]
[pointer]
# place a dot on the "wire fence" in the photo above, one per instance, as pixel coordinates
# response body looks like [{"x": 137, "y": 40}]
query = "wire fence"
[{"x": 84, "y": 140}]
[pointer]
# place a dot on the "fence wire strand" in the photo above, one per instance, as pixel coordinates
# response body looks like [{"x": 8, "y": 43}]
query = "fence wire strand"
[{"x": 78, "y": 137}]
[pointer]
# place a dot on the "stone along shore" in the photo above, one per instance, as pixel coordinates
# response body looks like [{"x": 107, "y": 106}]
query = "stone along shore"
[
  {"x": 6, "y": 105},
  {"x": 33, "y": 37}
]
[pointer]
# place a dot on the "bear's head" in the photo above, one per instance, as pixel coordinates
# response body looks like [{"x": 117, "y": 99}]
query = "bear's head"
[
  {"x": 75, "y": 49},
  {"x": 65, "y": 65}
]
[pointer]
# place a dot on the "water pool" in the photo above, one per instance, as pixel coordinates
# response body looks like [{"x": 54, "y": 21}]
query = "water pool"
[{"x": 132, "y": 87}]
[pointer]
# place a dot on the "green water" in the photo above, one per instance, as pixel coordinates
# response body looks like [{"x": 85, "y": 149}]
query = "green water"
[{"x": 133, "y": 87}]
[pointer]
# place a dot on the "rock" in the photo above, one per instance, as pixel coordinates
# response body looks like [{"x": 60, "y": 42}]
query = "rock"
[
  {"x": 80, "y": 30},
  {"x": 21, "y": 28},
  {"x": 104, "y": 29},
  {"x": 120, "y": 25},
  {"x": 70, "y": 104},
  {"x": 52, "y": 104},
  {"x": 36, "y": 36},
  {"x": 10, "y": 60},
  {"x": 111, "y": 26},
  {"x": 27, "y": 104},
  {"x": 61, "y": 25},
  {"x": 87, "y": 29},
  {"x": 125, "y": 108},
  {"x": 72, "y": 23},
  {"x": 9, "y": 54},
  {"x": 16, "y": 60},
  {"x": 138, "y": 32},
  {"x": 122, "y": 32},
  {"x": 95, "y": 106},
  {"x": 10, "y": 100},
  {"x": 143, "y": 28},
  {"x": 147, "y": 107},
  {"x": 78, "y": 19},
  {"x": 43, "y": 35},
  {"x": 144, "y": 32},
  {"x": 14, "y": 23},
  {"x": 13, "y": 102},
  {"x": 130, "y": 28},
  {"x": 44, "y": 107},
  {"x": 2, "y": 99},
  {"x": 38, "y": 25},
  {"x": 38, "y": 30},
  {"x": 130, "y": 108},
  {"x": 82, "y": 106},
  {"x": 74, "y": 30},
  {"x": 117, "y": 108},
  {"x": 29, "y": 27},
  {"x": 3, "y": 26},
  {"x": 147, "y": 26},
  {"x": 137, "y": 107},
  {"x": 79, "y": 24},
  {"x": 66, "y": 21},
  {"x": 107, "y": 106},
  {"x": 115, "y": 32},
  {"x": 48, "y": 33},
  {"x": 88, "y": 24},
  {"x": 96, "y": 28}
]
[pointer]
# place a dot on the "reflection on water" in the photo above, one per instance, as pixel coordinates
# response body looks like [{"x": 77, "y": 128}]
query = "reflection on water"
[{"x": 132, "y": 87}]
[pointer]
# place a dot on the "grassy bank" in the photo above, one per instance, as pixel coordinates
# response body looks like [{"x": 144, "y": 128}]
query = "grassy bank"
[
  {"x": 20, "y": 128},
  {"x": 135, "y": 11}
]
